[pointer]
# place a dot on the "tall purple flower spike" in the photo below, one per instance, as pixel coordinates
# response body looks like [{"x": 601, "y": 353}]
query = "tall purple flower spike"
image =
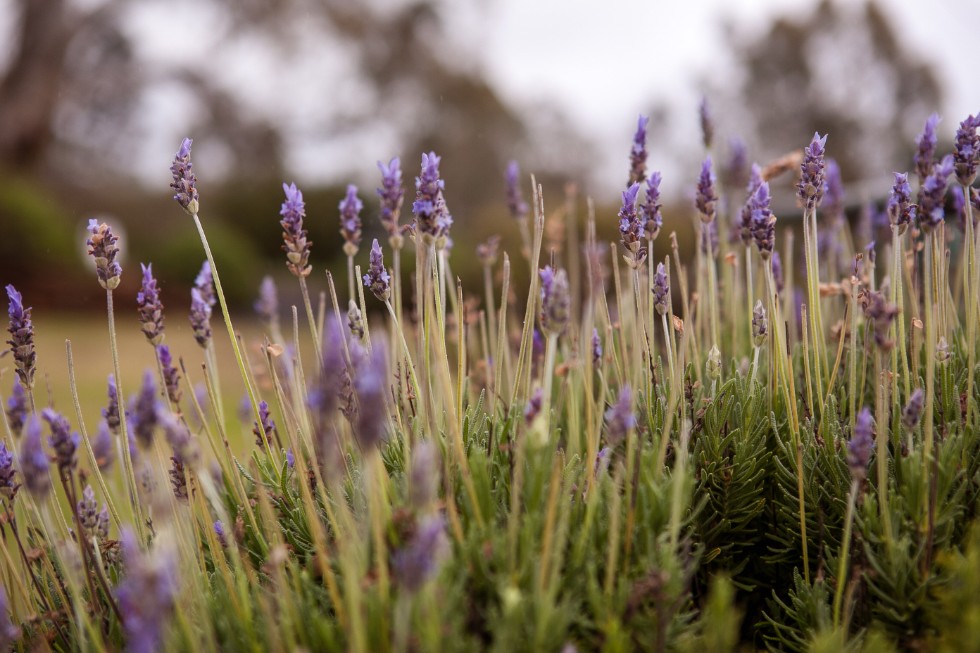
[
  {"x": 146, "y": 595},
  {"x": 555, "y": 301},
  {"x": 925, "y": 154},
  {"x": 515, "y": 201},
  {"x": 706, "y": 199},
  {"x": 34, "y": 461},
  {"x": 432, "y": 218},
  {"x": 861, "y": 445},
  {"x": 295, "y": 242},
  {"x": 638, "y": 152},
  {"x": 810, "y": 188},
  {"x": 966, "y": 153},
  {"x": 350, "y": 220},
  {"x": 103, "y": 247},
  {"x": 631, "y": 227},
  {"x": 21, "y": 341},
  {"x": 620, "y": 417},
  {"x": 150, "y": 308},
  {"x": 392, "y": 195},
  {"x": 932, "y": 195},
  {"x": 184, "y": 182},
  {"x": 377, "y": 280},
  {"x": 901, "y": 211},
  {"x": 652, "y": 219}
]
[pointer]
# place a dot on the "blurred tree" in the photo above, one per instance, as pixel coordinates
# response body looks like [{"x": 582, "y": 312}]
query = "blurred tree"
[{"x": 839, "y": 70}]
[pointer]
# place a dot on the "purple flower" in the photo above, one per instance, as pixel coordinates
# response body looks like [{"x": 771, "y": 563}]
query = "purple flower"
[
  {"x": 620, "y": 417},
  {"x": 912, "y": 412},
  {"x": 8, "y": 488},
  {"x": 322, "y": 398},
  {"x": 487, "y": 251},
  {"x": 103, "y": 248},
  {"x": 88, "y": 510},
  {"x": 555, "y": 301},
  {"x": 111, "y": 411},
  {"x": 146, "y": 595},
  {"x": 21, "y": 337},
  {"x": 350, "y": 220},
  {"x": 932, "y": 195},
  {"x": 755, "y": 181},
  {"x": 631, "y": 227},
  {"x": 290, "y": 458},
  {"x": 650, "y": 209},
  {"x": 901, "y": 210},
  {"x": 418, "y": 561},
  {"x": 736, "y": 171},
  {"x": 423, "y": 488},
  {"x": 17, "y": 408},
  {"x": 810, "y": 188},
  {"x": 763, "y": 222},
  {"x": 62, "y": 440},
  {"x": 149, "y": 307},
  {"x": 204, "y": 282},
  {"x": 268, "y": 425},
  {"x": 171, "y": 377},
  {"x": 966, "y": 154},
  {"x": 883, "y": 313},
  {"x": 707, "y": 123},
  {"x": 267, "y": 305},
  {"x": 661, "y": 289},
  {"x": 9, "y": 633},
  {"x": 102, "y": 523},
  {"x": 777, "y": 271},
  {"x": 371, "y": 385},
  {"x": 602, "y": 460},
  {"x": 103, "y": 447},
  {"x": 377, "y": 280},
  {"x": 392, "y": 195},
  {"x": 760, "y": 324},
  {"x": 833, "y": 190},
  {"x": 638, "y": 153},
  {"x": 143, "y": 411},
  {"x": 33, "y": 460},
  {"x": 515, "y": 201},
  {"x": 200, "y": 318},
  {"x": 432, "y": 219},
  {"x": 184, "y": 183},
  {"x": 295, "y": 242},
  {"x": 596, "y": 347},
  {"x": 705, "y": 199},
  {"x": 219, "y": 531},
  {"x": 861, "y": 445},
  {"x": 925, "y": 155},
  {"x": 533, "y": 407}
]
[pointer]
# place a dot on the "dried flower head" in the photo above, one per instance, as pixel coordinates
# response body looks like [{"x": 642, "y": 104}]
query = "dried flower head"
[
  {"x": 295, "y": 242},
  {"x": 555, "y": 301},
  {"x": 706, "y": 199},
  {"x": 515, "y": 200},
  {"x": 861, "y": 445},
  {"x": 638, "y": 152},
  {"x": 760, "y": 324},
  {"x": 650, "y": 214},
  {"x": 103, "y": 247},
  {"x": 942, "y": 350},
  {"x": 150, "y": 307},
  {"x": 392, "y": 195},
  {"x": 966, "y": 153},
  {"x": 377, "y": 280},
  {"x": 355, "y": 322},
  {"x": 350, "y": 220},
  {"x": 661, "y": 289},
  {"x": 184, "y": 182},
  {"x": 432, "y": 219},
  {"x": 712, "y": 365},
  {"x": 619, "y": 417},
  {"x": 810, "y": 188},
  {"x": 21, "y": 341}
]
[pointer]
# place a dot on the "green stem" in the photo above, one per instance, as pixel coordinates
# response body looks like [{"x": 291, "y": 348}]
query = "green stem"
[{"x": 845, "y": 550}]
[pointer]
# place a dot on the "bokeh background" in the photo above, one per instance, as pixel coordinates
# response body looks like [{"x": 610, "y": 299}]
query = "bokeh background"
[{"x": 95, "y": 96}]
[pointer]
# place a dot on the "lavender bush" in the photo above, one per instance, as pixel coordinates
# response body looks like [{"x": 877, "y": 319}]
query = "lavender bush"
[{"x": 591, "y": 471}]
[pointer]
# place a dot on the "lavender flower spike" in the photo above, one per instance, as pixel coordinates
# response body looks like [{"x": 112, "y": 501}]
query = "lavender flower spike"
[
  {"x": 267, "y": 305},
  {"x": 150, "y": 308},
  {"x": 423, "y": 487},
  {"x": 901, "y": 210},
  {"x": 638, "y": 153},
  {"x": 419, "y": 560},
  {"x": 62, "y": 440},
  {"x": 17, "y": 408},
  {"x": 171, "y": 377},
  {"x": 146, "y": 595},
  {"x": 21, "y": 337},
  {"x": 350, "y": 220},
  {"x": 912, "y": 412},
  {"x": 861, "y": 445},
  {"x": 103, "y": 248},
  {"x": 763, "y": 222},
  {"x": 33, "y": 460},
  {"x": 377, "y": 280},
  {"x": 813, "y": 172},
  {"x": 268, "y": 425},
  {"x": 755, "y": 180},
  {"x": 650, "y": 209},
  {"x": 555, "y": 302},
  {"x": 925, "y": 155},
  {"x": 185, "y": 183},
  {"x": 9, "y": 633},
  {"x": 432, "y": 219},
  {"x": 706, "y": 200},
  {"x": 515, "y": 201},
  {"x": 533, "y": 407},
  {"x": 707, "y": 123},
  {"x": 8, "y": 488},
  {"x": 104, "y": 447},
  {"x": 372, "y": 385},
  {"x": 631, "y": 228},
  {"x": 111, "y": 411},
  {"x": 932, "y": 195},
  {"x": 88, "y": 510},
  {"x": 295, "y": 242},
  {"x": 966, "y": 155},
  {"x": 204, "y": 282},
  {"x": 143, "y": 411},
  {"x": 620, "y": 417},
  {"x": 661, "y": 289},
  {"x": 200, "y": 318},
  {"x": 596, "y": 347},
  {"x": 392, "y": 195}
]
